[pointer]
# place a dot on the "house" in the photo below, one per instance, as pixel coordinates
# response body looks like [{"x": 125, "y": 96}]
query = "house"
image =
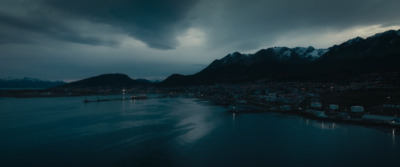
[
  {"x": 285, "y": 107},
  {"x": 333, "y": 107},
  {"x": 357, "y": 109},
  {"x": 316, "y": 105}
]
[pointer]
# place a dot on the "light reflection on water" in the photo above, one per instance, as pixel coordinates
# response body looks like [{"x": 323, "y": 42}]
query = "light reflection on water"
[
  {"x": 321, "y": 124},
  {"x": 394, "y": 138},
  {"x": 197, "y": 126}
]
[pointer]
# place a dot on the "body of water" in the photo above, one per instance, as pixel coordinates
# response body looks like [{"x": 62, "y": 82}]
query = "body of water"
[{"x": 179, "y": 132}]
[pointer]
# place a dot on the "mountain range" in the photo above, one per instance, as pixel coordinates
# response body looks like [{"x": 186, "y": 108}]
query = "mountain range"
[
  {"x": 378, "y": 53},
  {"x": 106, "y": 81},
  {"x": 20, "y": 83}
]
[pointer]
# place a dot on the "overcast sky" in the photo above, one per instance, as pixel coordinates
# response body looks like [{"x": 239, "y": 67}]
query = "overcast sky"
[{"x": 75, "y": 39}]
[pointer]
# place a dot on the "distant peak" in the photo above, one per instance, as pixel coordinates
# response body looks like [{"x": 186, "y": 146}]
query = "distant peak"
[
  {"x": 387, "y": 33},
  {"x": 278, "y": 49},
  {"x": 354, "y": 40},
  {"x": 113, "y": 74},
  {"x": 235, "y": 54}
]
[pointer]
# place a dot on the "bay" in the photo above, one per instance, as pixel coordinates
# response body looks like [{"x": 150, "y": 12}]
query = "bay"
[{"x": 179, "y": 132}]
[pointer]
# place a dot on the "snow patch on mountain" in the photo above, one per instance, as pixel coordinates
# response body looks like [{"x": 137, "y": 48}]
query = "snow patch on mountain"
[
  {"x": 281, "y": 53},
  {"x": 287, "y": 53},
  {"x": 314, "y": 53},
  {"x": 299, "y": 50},
  {"x": 310, "y": 52}
]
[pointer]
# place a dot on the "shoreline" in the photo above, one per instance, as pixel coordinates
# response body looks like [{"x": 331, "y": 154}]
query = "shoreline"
[
  {"x": 248, "y": 108},
  {"x": 251, "y": 109}
]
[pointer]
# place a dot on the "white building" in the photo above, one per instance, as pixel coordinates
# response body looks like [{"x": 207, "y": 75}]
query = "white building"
[
  {"x": 316, "y": 104},
  {"x": 357, "y": 109},
  {"x": 333, "y": 107},
  {"x": 285, "y": 107}
]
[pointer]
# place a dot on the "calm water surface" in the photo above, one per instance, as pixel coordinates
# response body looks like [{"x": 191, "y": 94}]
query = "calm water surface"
[{"x": 179, "y": 132}]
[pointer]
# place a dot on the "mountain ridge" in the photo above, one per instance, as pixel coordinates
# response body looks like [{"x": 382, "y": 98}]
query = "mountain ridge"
[
  {"x": 27, "y": 82},
  {"x": 380, "y": 52},
  {"x": 115, "y": 80}
]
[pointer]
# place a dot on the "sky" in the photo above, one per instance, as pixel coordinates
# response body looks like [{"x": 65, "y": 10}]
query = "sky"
[{"x": 152, "y": 39}]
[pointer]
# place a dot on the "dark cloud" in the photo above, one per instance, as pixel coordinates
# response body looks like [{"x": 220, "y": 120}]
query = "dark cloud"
[
  {"x": 155, "y": 22},
  {"x": 46, "y": 34},
  {"x": 249, "y": 24},
  {"x": 241, "y": 24},
  {"x": 19, "y": 28}
]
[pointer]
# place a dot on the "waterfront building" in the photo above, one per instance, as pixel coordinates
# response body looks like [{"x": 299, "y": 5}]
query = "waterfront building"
[
  {"x": 316, "y": 105},
  {"x": 333, "y": 107},
  {"x": 285, "y": 107},
  {"x": 357, "y": 109}
]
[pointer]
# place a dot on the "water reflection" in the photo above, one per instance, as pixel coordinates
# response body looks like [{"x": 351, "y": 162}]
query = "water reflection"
[
  {"x": 325, "y": 125},
  {"x": 197, "y": 125},
  {"x": 394, "y": 137},
  {"x": 183, "y": 132},
  {"x": 233, "y": 120},
  {"x": 123, "y": 106},
  {"x": 132, "y": 103},
  {"x": 321, "y": 125}
]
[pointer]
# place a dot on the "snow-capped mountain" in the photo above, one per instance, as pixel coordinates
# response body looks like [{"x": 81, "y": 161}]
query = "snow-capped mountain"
[
  {"x": 378, "y": 53},
  {"x": 306, "y": 52},
  {"x": 275, "y": 54}
]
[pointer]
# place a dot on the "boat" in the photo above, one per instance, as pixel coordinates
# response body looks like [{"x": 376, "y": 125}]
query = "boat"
[{"x": 138, "y": 97}]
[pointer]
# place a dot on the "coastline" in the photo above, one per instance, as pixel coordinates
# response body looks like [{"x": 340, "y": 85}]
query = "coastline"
[
  {"x": 264, "y": 108},
  {"x": 242, "y": 108}
]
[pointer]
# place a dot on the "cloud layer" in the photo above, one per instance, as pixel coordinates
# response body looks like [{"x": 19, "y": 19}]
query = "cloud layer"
[{"x": 170, "y": 35}]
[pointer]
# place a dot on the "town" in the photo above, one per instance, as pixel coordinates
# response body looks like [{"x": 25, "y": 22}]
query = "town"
[
  {"x": 316, "y": 100},
  {"x": 366, "y": 99}
]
